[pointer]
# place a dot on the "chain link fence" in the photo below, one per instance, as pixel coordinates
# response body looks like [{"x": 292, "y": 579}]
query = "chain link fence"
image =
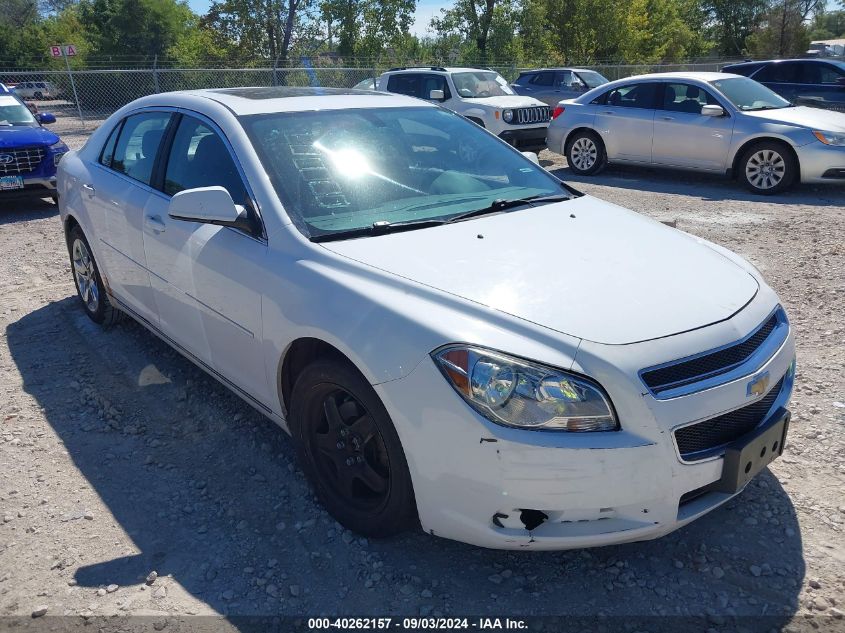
[{"x": 91, "y": 95}]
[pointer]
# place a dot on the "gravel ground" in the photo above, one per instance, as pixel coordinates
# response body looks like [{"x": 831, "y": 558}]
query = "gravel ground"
[{"x": 120, "y": 461}]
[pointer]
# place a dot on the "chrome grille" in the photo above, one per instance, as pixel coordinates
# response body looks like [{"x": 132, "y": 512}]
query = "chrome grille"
[
  {"x": 688, "y": 370},
  {"x": 704, "y": 439},
  {"x": 20, "y": 161},
  {"x": 539, "y": 114}
]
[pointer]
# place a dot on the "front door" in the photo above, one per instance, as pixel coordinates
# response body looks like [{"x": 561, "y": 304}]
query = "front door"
[
  {"x": 207, "y": 279},
  {"x": 683, "y": 137}
]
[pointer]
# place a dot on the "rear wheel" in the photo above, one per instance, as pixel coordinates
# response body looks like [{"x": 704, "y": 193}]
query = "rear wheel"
[
  {"x": 585, "y": 153},
  {"x": 89, "y": 284},
  {"x": 350, "y": 450},
  {"x": 768, "y": 168}
]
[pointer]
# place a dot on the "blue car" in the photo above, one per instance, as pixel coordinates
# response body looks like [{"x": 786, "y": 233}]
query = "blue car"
[
  {"x": 810, "y": 82},
  {"x": 29, "y": 152}
]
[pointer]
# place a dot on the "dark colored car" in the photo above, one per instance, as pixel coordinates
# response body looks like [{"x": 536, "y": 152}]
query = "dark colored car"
[
  {"x": 551, "y": 85},
  {"x": 811, "y": 82},
  {"x": 29, "y": 152}
]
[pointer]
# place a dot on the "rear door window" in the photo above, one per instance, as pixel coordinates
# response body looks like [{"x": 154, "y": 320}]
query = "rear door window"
[
  {"x": 545, "y": 78},
  {"x": 633, "y": 96},
  {"x": 781, "y": 73},
  {"x": 137, "y": 146}
]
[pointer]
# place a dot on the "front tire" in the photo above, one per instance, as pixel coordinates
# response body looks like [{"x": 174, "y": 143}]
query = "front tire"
[
  {"x": 585, "y": 153},
  {"x": 350, "y": 451},
  {"x": 768, "y": 168},
  {"x": 89, "y": 285}
]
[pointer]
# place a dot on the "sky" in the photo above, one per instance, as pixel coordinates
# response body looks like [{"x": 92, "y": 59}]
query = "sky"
[{"x": 426, "y": 9}]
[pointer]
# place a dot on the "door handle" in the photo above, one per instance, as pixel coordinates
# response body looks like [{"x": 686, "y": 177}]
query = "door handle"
[
  {"x": 89, "y": 189},
  {"x": 608, "y": 112},
  {"x": 667, "y": 118},
  {"x": 155, "y": 224}
]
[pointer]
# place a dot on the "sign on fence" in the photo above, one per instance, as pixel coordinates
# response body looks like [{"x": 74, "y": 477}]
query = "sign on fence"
[{"x": 63, "y": 51}]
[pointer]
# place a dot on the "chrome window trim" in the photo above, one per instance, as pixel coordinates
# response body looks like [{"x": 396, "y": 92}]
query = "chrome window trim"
[{"x": 749, "y": 366}]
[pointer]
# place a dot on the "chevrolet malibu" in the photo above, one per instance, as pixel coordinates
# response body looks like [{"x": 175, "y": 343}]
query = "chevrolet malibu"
[
  {"x": 451, "y": 336},
  {"x": 709, "y": 122}
]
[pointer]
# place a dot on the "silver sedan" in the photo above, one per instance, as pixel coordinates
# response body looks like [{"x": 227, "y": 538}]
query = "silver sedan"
[{"x": 710, "y": 122}]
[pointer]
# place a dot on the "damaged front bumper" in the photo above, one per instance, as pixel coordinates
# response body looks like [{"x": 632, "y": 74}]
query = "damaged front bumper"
[{"x": 506, "y": 488}]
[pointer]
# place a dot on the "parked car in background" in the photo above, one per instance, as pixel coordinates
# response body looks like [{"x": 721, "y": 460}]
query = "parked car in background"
[
  {"x": 367, "y": 84},
  {"x": 29, "y": 152},
  {"x": 482, "y": 96},
  {"x": 376, "y": 274},
  {"x": 712, "y": 122},
  {"x": 813, "y": 82},
  {"x": 38, "y": 90},
  {"x": 551, "y": 85}
]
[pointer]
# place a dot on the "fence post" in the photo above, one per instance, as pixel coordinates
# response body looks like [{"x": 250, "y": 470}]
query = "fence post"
[
  {"x": 73, "y": 87},
  {"x": 155, "y": 74}
]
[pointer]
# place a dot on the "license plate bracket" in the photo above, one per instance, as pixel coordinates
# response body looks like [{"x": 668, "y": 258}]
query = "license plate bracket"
[
  {"x": 749, "y": 455},
  {"x": 11, "y": 182}
]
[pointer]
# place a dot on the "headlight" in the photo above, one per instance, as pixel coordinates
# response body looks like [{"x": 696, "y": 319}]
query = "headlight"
[
  {"x": 507, "y": 116},
  {"x": 830, "y": 138},
  {"x": 59, "y": 149},
  {"x": 526, "y": 395}
]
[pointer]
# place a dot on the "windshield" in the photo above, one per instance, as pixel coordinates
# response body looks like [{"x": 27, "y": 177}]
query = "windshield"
[
  {"x": 13, "y": 112},
  {"x": 336, "y": 171},
  {"x": 477, "y": 84},
  {"x": 592, "y": 78},
  {"x": 746, "y": 94}
]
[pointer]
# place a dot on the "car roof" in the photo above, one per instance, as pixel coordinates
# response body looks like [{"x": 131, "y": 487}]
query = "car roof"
[
  {"x": 439, "y": 69},
  {"x": 264, "y": 99},
  {"x": 556, "y": 68}
]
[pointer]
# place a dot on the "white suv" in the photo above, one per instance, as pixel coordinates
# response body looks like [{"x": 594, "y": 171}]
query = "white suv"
[
  {"x": 37, "y": 90},
  {"x": 482, "y": 96}
]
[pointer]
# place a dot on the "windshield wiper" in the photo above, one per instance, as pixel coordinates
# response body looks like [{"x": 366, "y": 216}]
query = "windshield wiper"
[
  {"x": 382, "y": 227},
  {"x": 498, "y": 206}
]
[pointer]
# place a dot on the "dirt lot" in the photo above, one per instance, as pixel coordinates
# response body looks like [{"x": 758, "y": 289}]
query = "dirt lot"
[{"x": 119, "y": 458}]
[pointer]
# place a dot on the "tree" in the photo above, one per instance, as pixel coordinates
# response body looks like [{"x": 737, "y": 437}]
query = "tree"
[
  {"x": 145, "y": 28},
  {"x": 733, "y": 21},
  {"x": 472, "y": 17},
  {"x": 783, "y": 32},
  {"x": 257, "y": 28}
]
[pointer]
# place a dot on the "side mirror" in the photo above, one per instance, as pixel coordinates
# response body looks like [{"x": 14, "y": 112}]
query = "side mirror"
[
  {"x": 841, "y": 81},
  {"x": 208, "y": 205},
  {"x": 436, "y": 95},
  {"x": 712, "y": 110},
  {"x": 46, "y": 117},
  {"x": 532, "y": 156}
]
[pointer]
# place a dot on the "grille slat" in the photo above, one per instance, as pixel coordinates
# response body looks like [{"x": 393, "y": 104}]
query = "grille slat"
[
  {"x": 23, "y": 160},
  {"x": 538, "y": 114},
  {"x": 700, "y": 440},
  {"x": 707, "y": 365}
]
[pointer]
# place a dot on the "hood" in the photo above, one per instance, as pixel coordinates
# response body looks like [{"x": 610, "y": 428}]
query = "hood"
[
  {"x": 506, "y": 101},
  {"x": 816, "y": 118},
  {"x": 20, "y": 136},
  {"x": 607, "y": 274}
]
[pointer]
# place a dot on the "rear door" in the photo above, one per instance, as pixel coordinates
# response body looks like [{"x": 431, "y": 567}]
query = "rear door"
[
  {"x": 683, "y": 137},
  {"x": 116, "y": 197},
  {"x": 625, "y": 121},
  {"x": 207, "y": 279}
]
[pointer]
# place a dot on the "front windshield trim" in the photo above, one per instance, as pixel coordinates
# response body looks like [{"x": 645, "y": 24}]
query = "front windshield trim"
[{"x": 394, "y": 171}]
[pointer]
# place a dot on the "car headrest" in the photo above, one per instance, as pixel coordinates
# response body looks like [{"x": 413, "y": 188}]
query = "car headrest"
[
  {"x": 692, "y": 92},
  {"x": 150, "y": 141}
]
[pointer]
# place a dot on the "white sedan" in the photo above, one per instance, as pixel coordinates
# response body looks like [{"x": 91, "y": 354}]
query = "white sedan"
[{"x": 451, "y": 335}]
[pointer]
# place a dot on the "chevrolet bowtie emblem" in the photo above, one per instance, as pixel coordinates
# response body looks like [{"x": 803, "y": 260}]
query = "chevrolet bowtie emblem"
[{"x": 758, "y": 386}]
